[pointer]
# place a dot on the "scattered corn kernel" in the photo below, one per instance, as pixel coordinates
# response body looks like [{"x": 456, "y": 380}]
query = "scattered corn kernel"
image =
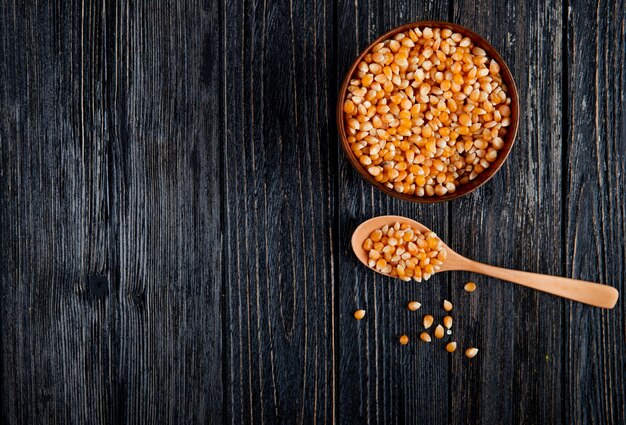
[
  {"x": 416, "y": 109},
  {"x": 439, "y": 332},
  {"x": 470, "y": 287},
  {"x": 447, "y": 305},
  {"x": 404, "y": 340},
  {"x": 447, "y": 322},
  {"x": 428, "y": 321},
  {"x": 359, "y": 314},
  {"x": 413, "y": 305},
  {"x": 451, "y": 347},
  {"x": 471, "y": 352},
  {"x": 425, "y": 337}
]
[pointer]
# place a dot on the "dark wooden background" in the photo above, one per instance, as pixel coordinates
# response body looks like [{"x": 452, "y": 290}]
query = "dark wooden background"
[{"x": 175, "y": 214}]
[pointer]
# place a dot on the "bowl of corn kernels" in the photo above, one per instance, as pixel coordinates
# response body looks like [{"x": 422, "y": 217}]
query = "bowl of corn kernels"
[{"x": 428, "y": 112}]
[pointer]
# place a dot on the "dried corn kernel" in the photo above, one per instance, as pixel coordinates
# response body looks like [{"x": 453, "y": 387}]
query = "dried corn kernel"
[
  {"x": 428, "y": 321},
  {"x": 439, "y": 332},
  {"x": 451, "y": 347},
  {"x": 359, "y": 314},
  {"x": 413, "y": 305},
  {"x": 470, "y": 287},
  {"x": 471, "y": 352}
]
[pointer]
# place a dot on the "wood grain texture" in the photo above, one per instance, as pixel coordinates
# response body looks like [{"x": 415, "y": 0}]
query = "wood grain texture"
[
  {"x": 167, "y": 80},
  {"x": 279, "y": 199},
  {"x": 176, "y": 213},
  {"x": 58, "y": 314},
  {"x": 110, "y": 213},
  {"x": 514, "y": 221},
  {"x": 380, "y": 381},
  {"x": 595, "y": 165}
]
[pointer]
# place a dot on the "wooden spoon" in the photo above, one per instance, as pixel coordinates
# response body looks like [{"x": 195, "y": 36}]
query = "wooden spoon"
[{"x": 578, "y": 290}]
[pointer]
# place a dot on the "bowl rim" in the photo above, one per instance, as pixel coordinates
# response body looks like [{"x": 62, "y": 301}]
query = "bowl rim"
[{"x": 509, "y": 141}]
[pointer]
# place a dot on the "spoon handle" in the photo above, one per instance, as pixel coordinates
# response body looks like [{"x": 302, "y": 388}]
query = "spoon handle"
[{"x": 590, "y": 293}]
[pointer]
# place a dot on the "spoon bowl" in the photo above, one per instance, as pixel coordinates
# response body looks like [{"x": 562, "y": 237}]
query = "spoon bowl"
[
  {"x": 594, "y": 294},
  {"x": 363, "y": 231}
]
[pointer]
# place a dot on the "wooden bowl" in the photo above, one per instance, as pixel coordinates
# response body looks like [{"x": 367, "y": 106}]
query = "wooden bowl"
[{"x": 509, "y": 139}]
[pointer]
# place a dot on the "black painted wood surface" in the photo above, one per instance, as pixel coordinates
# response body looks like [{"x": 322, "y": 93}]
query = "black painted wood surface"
[{"x": 175, "y": 215}]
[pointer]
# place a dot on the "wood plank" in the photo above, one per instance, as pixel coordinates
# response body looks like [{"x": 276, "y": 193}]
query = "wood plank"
[
  {"x": 595, "y": 376},
  {"x": 279, "y": 212},
  {"x": 166, "y": 88},
  {"x": 111, "y": 211},
  {"x": 514, "y": 221},
  {"x": 57, "y": 314},
  {"x": 380, "y": 381}
]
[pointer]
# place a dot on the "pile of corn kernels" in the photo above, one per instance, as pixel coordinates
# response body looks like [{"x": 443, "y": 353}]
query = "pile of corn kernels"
[
  {"x": 426, "y": 111},
  {"x": 404, "y": 252}
]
